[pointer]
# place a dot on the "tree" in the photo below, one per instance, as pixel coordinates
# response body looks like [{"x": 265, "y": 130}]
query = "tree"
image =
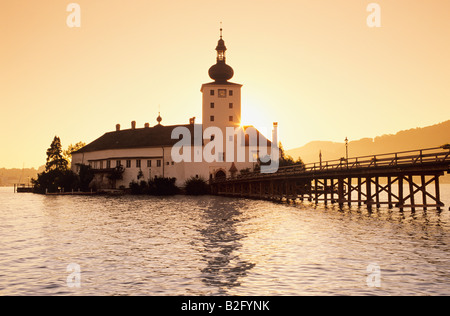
[
  {"x": 57, "y": 176},
  {"x": 55, "y": 159},
  {"x": 116, "y": 174},
  {"x": 286, "y": 160},
  {"x": 67, "y": 154},
  {"x": 86, "y": 174}
]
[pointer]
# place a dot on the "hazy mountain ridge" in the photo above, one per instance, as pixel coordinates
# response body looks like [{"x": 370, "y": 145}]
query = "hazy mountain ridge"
[
  {"x": 412, "y": 139},
  {"x": 9, "y": 177}
]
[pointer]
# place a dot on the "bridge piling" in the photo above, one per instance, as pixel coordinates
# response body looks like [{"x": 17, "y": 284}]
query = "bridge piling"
[{"x": 375, "y": 177}]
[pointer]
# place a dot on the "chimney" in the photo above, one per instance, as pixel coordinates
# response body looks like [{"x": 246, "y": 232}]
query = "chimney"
[
  {"x": 147, "y": 125},
  {"x": 275, "y": 134},
  {"x": 192, "y": 120},
  {"x": 117, "y": 127},
  {"x": 133, "y": 125}
]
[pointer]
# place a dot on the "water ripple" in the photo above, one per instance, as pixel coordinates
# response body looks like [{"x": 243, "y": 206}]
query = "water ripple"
[{"x": 217, "y": 246}]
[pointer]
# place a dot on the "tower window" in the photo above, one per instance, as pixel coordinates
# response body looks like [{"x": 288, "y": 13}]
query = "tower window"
[
  {"x": 211, "y": 118},
  {"x": 211, "y": 92},
  {"x": 222, "y": 93},
  {"x": 230, "y": 105},
  {"x": 230, "y": 118},
  {"x": 212, "y": 105},
  {"x": 230, "y": 93}
]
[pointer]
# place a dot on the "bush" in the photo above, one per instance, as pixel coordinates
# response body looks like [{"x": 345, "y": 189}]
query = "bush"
[
  {"x": 55, "y": 181},
  {"x": 134, "y": 187},
  {"x": 196, "y": 186},
  {"x": 156, "y": 186},
  {"x": 162, "y": 186},
  {"x": 139, "y": 188}
]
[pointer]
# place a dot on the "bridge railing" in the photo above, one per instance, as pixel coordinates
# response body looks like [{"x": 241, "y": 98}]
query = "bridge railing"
[
  {"x": 412, "y": 157},
  {"x": 420, "y": 156}
]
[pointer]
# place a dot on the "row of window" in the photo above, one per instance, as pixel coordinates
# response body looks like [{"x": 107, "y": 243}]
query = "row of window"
[
  {"x": 230, "y": 118},
  {"x": 222, "y": 93},
  {"x": 138, "y": 163},
  {"x": 212, "y": 105}
]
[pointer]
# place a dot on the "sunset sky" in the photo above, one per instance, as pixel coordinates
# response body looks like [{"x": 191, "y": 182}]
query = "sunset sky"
[{"x": 313, "y": 66}]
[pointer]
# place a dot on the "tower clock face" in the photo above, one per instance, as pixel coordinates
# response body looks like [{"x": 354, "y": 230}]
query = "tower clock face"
[{"x": 222, "y": 93}]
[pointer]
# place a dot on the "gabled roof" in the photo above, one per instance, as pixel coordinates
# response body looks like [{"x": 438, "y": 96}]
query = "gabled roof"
[{"x": 156, "y": 136}]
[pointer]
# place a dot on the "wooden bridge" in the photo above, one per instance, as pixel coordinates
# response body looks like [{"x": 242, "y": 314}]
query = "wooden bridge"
[{"x": 407, "y": 179}]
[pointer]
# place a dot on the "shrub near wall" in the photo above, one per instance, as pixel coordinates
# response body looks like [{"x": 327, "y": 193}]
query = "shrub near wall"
[
  {"x": 156, "y": 186},
  {"x": 196, "y": 186}
]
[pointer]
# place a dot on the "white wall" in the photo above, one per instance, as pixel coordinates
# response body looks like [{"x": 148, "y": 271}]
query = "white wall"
[
  {"x": 181, "y": 171},
  {"x": 221, "y": 110},
  {"x": 99, "y": 159}
]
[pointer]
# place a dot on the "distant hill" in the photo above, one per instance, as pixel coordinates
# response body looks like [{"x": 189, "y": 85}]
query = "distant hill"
[
  {"x": 416, "y": 138},
  {"x": 9, "y": 177}
]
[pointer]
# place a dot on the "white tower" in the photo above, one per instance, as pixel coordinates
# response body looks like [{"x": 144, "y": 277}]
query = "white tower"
[{"x": 221, "y": 98}]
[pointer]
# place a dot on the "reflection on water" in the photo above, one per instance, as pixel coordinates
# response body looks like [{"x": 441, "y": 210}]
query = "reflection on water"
[
  {"x": 217, "y": 246},
  {"x": 221, "y": 243}
]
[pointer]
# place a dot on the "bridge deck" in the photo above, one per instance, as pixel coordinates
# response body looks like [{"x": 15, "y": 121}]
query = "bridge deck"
[{"x": 413, "y": 173}]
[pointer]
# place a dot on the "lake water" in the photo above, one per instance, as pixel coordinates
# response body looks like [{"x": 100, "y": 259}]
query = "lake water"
[{"x": 208, "y": 245}]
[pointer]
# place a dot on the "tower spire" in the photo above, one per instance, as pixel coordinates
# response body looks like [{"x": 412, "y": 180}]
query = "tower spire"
[{"x": 221, "y": 72}]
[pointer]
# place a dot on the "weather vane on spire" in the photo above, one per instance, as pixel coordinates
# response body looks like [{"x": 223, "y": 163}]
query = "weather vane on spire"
[{"x": 220, "y": 29}]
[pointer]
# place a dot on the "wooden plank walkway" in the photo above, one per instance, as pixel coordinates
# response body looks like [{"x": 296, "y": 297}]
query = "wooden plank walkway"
[{"x": 408, "y": 179}]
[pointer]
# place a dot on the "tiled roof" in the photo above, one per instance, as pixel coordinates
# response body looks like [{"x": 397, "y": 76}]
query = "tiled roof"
[{"x": 156, "y": 136}]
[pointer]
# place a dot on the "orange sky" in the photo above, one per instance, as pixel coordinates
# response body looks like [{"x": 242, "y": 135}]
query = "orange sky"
[{"x": 314, "y": 66}]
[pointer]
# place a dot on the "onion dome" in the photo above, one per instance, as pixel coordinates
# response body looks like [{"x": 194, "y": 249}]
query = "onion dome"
[
  {"x": 159, "y": 119},
  {"x": 221, "y": 72}
]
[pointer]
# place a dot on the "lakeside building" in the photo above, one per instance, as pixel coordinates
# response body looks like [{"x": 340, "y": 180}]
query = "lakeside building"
[{"x": 146, "y": 152}]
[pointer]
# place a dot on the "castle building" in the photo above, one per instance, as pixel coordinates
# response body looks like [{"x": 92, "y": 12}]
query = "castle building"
[{"x": 144, "y": 153}]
